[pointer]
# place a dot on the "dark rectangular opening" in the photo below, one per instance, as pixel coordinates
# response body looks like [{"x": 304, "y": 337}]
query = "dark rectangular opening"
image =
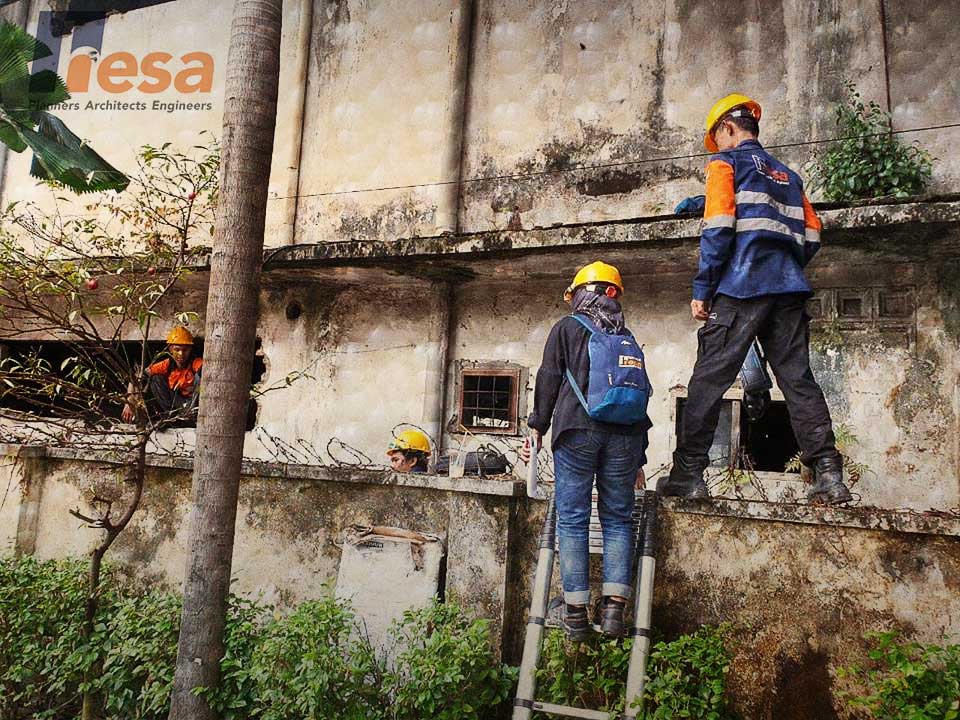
[
  {"x": 55, "y": 353},
  {"x": 769, "y": 442}
]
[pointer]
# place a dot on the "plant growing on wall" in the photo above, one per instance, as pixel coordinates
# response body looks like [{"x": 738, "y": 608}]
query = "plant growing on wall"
[
  {"x": 868, "y": 161},
  {"x": 94, "y": 285},
  {"x": 846, "y": 440},
  {"x": 906, "y": 680},
  {"x": 59, "y": 156}
]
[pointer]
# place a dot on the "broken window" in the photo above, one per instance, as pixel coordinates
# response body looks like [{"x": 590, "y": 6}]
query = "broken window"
[
  {"x": 765, "y": 445},
  {"x": 489, "y": 398},
  {"x": 54, "y": 355}
]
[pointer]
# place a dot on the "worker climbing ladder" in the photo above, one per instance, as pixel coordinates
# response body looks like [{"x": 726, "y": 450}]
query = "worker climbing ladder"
[{"x": 645, "y": 532}]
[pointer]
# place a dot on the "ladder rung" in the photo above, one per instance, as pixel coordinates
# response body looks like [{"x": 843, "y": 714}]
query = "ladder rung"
[{"x": 574, "y": 712}]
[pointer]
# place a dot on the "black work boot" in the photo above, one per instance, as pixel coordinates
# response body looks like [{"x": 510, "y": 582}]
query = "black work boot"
[
  {"x": 828, "y": 484},
  {"x": 685, "y": 480},
  {"x": 575, "y": 622},
  {"x": 611, "y": 618}
]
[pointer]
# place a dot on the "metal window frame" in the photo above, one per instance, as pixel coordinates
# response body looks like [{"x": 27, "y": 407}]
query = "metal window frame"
[{"x": 517, "y": 375}]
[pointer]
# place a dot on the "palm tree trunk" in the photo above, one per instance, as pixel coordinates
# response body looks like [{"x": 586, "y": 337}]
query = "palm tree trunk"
[{"x": 249, "y": 118}]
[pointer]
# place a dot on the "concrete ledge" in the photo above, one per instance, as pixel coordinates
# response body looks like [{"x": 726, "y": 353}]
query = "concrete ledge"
[
  {"x": 931, "y": 522},
  {"x": 502, "y": 486},
  {"x": 862, "y": 216}
]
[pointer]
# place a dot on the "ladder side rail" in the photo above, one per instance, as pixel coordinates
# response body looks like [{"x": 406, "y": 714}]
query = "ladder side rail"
[
  {"x": 643, "y": 592},
  {"x": 536, "y": 618}
]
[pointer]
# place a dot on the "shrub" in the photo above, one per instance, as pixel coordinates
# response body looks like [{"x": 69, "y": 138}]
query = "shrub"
[
  {"x": 907, "y": 680},
  {"x": 138, "y": 642},
  {"x": 686, "y": 676},
  {"x": 42, "y": 655},
  {"x": 445, "y": 669},
  {"x": 869, "y": 161},
  {"x": 313, "y": 664}
]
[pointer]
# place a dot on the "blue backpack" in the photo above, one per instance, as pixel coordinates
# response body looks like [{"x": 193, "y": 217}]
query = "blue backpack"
[{"x": 618, "y": 389}]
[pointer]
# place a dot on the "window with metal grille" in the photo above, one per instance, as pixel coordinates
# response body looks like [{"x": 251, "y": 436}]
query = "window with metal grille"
[{"x": 489, "y": 400}]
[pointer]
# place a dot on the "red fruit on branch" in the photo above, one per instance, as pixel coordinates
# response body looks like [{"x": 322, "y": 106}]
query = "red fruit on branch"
[
  {"x": 191, "y": 196},
  {"x": 92, "y": 284},
  {"x": 151, "y": 271}
]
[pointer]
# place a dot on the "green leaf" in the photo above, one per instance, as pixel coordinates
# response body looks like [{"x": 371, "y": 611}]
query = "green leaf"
[
  {"x": 62, "y": 157},
  {"x": 11, "y": 138}
]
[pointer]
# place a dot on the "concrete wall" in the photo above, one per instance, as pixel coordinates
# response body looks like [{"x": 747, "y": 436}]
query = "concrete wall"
[
  {"x": 365, "y": 351},
  {"x": 11, "y": 494},
  {"x": 550, "y": 87},
  {"x": 799, "y": 585},
  {"x": 288, "y": 527},
  {"x": 800, "y": 598}
]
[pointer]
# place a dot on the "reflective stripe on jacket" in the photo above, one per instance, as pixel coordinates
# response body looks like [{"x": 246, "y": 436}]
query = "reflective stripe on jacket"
[{"x": 759, "y": 229}]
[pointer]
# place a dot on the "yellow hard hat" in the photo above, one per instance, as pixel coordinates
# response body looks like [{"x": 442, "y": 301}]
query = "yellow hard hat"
[
  {"x": 179, "y": 336},
  {"x": 722, "y": 107},
  {"x": 594, "y": 272},
  {"x": 410, "y": 440}
]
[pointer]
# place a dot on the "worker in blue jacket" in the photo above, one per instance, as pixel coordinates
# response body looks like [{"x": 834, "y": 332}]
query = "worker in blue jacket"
[{"x": 759, "y": 232}]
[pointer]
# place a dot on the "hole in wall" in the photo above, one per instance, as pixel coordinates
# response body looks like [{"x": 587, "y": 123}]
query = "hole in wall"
[
  {"x": 294, "y": 310},
  {"x": 256, "y": 375},
  {"x": 770, "y": 440}
]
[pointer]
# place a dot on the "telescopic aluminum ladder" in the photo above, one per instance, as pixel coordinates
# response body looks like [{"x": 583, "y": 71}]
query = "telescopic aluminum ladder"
[{"x": 645, "y": 524}]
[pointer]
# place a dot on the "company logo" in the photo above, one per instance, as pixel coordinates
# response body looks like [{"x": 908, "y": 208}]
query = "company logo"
[
  {"x": 777, "y": 176},
  {"x": 629, "y": 361},
  {"x": 120, "y": 72}
]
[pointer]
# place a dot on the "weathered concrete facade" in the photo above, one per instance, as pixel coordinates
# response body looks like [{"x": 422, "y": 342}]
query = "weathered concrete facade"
[
  {"x": 409, "y": 119},
  {"x": 435, "y": 187}
]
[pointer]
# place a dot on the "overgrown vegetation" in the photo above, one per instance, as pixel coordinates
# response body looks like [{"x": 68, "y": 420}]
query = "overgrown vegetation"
[
  {"x": 687, "y": 676},
  {"x": 140, "y": 245},
  {"x": 313, "y": 664},
  {"x": 906, "y": 681},
  {"x": 869, "y": 161},
  {"x": 846, "y": 439}
]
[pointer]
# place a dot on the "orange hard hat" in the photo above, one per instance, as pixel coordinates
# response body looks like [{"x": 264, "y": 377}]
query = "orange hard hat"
[{"x": 179, "y": 336}]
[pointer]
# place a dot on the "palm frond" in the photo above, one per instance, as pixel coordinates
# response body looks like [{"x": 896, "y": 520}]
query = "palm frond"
[{"x": 60, "y": 156}]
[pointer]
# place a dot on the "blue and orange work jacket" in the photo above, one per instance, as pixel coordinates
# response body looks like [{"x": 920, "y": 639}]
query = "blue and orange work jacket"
[{"x": 759, "y": 229}]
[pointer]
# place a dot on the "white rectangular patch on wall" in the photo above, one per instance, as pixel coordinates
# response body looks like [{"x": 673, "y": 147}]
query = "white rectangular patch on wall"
[{"x": 385, "y": 571}]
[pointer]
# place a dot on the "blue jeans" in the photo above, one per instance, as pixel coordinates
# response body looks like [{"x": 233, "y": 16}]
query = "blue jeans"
[{"x": 614, "y": 460}]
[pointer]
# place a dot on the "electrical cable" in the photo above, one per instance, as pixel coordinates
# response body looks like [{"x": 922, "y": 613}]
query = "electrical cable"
[{"x": 604, "y": 166}]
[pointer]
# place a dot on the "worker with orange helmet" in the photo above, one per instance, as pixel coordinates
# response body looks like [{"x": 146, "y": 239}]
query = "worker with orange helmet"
[
  {"x": 759, "y": 232},
  {"x": 592, "y": 389},
  {"x": 409, "y": 452},
  {"x": 173, "y": 381}
]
